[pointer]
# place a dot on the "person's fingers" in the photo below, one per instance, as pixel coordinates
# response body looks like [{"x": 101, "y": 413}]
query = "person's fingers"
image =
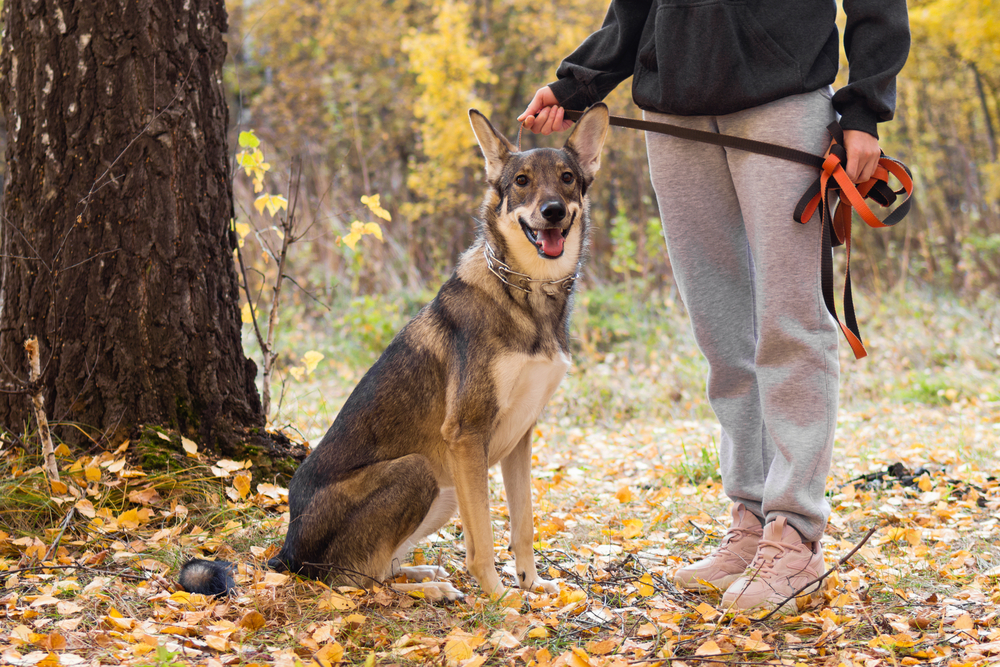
[
  {"x": 543, "y": 97},
  {"x": 863, "y": 153}
]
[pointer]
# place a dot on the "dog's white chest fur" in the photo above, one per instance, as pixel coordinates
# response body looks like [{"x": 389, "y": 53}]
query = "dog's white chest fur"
[{"x": 524, "y": 385}]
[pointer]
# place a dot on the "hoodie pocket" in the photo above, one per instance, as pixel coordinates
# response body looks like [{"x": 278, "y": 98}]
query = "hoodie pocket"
[{"x": 711, "y": 57}]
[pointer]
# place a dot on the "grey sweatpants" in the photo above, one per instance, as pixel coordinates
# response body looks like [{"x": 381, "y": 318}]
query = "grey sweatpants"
[{"x": 750, "y": 279}]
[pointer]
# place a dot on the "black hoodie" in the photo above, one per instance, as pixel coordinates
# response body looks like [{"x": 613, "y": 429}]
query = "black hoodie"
[{"x": 714, "y": 57}]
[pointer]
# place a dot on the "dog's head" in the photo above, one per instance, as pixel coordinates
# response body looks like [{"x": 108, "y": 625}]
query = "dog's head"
[{"x": 536, "y": 207}]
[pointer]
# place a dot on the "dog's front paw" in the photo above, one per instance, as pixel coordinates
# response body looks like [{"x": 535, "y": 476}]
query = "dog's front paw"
[
  {"x": 539, "y": 585},
  {"x": 438, "y": 590}
]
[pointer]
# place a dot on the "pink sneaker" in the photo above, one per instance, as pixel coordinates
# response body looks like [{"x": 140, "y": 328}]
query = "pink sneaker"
[
  {"x": 783, "y": 565},
  {"x": 725, "y": 565}
]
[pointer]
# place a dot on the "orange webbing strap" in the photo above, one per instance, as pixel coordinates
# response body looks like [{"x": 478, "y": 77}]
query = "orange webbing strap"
[{"x": 837, "y": 229}]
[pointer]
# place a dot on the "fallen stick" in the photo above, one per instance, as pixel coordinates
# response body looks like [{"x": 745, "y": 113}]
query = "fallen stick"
[{"x": 38, "y": 401}]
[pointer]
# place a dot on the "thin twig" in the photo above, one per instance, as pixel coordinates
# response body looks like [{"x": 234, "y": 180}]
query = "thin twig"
[
  {"x": 62, "y": 529},
  {"x": 38, "y": 401},
  {"x": 32, "y": 568}
]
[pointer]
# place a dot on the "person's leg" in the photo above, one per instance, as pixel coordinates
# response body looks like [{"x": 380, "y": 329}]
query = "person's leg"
[
  {"x": 713, "y": 269},
  {"x": 796, "y": 361},
  {"x": 709, "y": 253}
]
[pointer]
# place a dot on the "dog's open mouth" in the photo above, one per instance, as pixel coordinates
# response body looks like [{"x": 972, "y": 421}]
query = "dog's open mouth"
[{"x": 550, "y": 241}]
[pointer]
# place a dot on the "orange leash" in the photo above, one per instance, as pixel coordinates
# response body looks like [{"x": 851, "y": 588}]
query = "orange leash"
[
  {"x": 832, "y": 178},
  {"x": 837, "y": 228}
]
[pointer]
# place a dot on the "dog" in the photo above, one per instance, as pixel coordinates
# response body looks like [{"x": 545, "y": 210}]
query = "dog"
[{"x": 458, "y": 390}]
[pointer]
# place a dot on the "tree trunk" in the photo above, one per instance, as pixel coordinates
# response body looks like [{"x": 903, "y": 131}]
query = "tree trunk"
[{"x": 117, "y": 251}]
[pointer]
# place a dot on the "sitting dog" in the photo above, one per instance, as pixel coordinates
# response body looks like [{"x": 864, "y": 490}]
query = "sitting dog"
[{"x": 458, "y": 390}]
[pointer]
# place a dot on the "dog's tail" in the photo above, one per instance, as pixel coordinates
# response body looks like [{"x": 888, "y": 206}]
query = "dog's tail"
[{"x": 207, "y": 577}]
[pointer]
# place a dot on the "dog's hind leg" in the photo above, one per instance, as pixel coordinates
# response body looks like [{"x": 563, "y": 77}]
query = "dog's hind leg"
[
  {"x": 348, "y": 530},
  {"x": 441, "y": 511}
]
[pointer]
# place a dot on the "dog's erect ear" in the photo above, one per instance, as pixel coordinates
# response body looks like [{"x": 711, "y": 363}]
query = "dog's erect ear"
[
  {"x": 588, "y": 137},
  {"x": 496, "y": 147}
]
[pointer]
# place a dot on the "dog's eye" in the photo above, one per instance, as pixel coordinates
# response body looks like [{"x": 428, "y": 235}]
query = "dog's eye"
[
  {"x": 567, "y": 177},
  {"x": 521, "y": 180}
]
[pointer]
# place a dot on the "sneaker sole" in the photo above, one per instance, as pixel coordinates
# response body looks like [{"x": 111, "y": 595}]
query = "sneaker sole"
[
  {"x": 718, "y": 584},
  {"x": 789, "y": 607}
]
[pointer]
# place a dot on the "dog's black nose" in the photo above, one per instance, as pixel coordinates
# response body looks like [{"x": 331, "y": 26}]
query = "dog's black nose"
[{"x": 553, "y": 211}]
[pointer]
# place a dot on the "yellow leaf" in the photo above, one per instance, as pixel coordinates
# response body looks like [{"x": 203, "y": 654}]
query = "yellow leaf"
[
  {"x": 708, "y": 648},
  {"x": 217, "y": 643},
  {"x": 624, "y": 495},
  {"x": 248, "y": 139},
  {"x": 274, "y": 204},
  {"x": 252, "y": 620},
  {"x": 242, "y": 231},
  {"x": 569, "y": 596},
  {"x": 645, "y": 585},
  {"x": 373, "y": 229},
  {"x": 647, "y": 630},
  {"x": 352, "y": 239},
  {"x": 603, "y": 647},
  {"x": 50, "y": 660},
  {"x": 242, "y": 484},
  {"x": 297, "y": 372},
  {"x": 376, "y": 207},
  {"x": 707, "y": 611},
  {"x": 43, "y": 600},
  {"x": 576, "y": 657},
  {"x": 246, "y": 314},
  {"x": 330, "y": 654},
  {"x": 58, "y": 487},
  {"x": 632, "y": 529},
  {"x": 260, "y": 202},
  {"x": 457, "y": 649},
  {"x": 272, "y": 579},
  {"x": 311, "y": 359},
  {"x": 538, "y": 633},
  {"x": 355, "y": 620},
  {"x": 129, "y": 519},
  {"x": 189, "y": 446},
  {"x": 964, "y": 622}
]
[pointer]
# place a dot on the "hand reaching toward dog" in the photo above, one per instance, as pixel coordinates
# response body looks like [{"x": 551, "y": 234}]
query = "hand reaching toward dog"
[{"x": 544, "y": 115}]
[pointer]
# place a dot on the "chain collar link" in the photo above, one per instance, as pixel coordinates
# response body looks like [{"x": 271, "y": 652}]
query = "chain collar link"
[{"x": 522, "y": 281}]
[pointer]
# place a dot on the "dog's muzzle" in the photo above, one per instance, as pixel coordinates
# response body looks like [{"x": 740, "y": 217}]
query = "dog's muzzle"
[{"x": 551, "y": 240}]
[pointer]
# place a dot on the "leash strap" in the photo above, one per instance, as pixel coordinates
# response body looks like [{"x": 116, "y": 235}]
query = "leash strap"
[{"x": 832, "y": 178}]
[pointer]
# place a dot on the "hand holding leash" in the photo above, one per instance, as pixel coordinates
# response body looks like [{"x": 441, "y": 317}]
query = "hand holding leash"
[
  {"x": 544, "y": 115},
  {"x": 863, "y": 154}
]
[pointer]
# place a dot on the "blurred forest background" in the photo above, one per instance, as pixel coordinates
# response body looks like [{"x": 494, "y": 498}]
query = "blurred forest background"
[{"x": 372, "y": 98}]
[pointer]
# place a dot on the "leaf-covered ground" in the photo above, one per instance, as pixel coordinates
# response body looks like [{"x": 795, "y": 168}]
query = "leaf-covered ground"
[{"x": 626, "y": 490}]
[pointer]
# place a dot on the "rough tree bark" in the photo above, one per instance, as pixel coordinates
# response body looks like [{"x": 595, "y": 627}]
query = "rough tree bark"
[{"x": 116, "y": 248}]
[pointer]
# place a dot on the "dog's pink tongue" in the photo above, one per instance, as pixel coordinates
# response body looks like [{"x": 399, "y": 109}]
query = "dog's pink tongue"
[{"x": 551, "y": 241}]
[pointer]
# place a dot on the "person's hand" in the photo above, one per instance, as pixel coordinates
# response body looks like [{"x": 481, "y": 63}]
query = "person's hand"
[
  {"x": 863, "y": 153},
  {"x": 544, "y": 115}
]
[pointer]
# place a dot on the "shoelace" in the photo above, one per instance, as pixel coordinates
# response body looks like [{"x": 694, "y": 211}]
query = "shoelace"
[
  {"x": 734, "y": 533},
  {"x": 764, "y": 560}
]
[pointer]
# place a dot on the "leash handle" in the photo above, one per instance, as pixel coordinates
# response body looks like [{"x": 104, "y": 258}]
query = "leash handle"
[
  {"x": 837, "y": 228},
  {"x": 832, "y": 178}
]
